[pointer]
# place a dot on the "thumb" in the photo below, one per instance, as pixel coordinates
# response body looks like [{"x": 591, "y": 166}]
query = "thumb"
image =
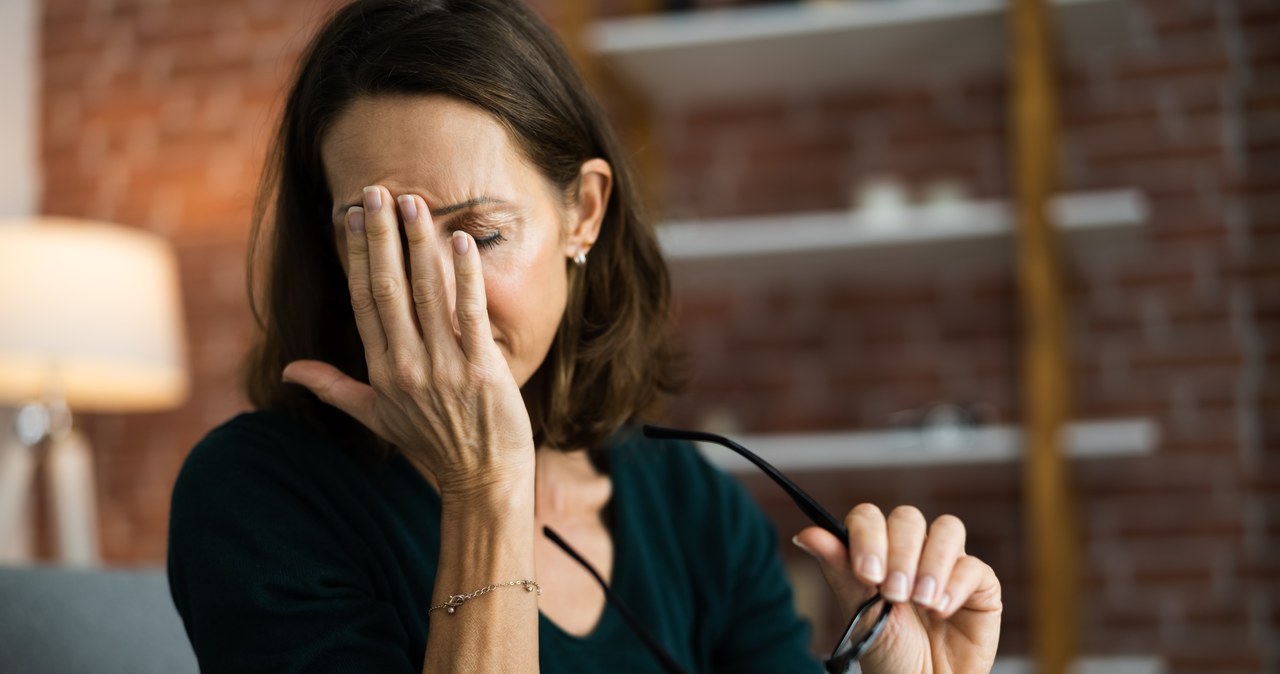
[{"x": 332, "y": 386}]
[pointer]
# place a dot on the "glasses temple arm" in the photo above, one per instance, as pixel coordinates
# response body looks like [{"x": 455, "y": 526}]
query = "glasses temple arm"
[
  {"x": 817, "y": 514},
  {"x": 658, "y": 651}
]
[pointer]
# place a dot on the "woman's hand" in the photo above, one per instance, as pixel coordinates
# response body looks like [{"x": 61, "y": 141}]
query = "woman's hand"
[
  {"x": 439, "y": 388},
  {"x": 947, "y": 617}
]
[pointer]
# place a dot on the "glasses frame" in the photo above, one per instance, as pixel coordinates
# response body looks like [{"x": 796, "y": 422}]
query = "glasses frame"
[{"x": 845, "y": 653}]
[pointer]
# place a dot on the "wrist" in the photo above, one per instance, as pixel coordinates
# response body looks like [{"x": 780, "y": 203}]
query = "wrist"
[{"x": 497, "y": 494}]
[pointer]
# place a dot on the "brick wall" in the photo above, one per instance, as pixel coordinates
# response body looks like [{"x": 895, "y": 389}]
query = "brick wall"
[
  {"x": 156, "y": 114},
  {"x": 1178, "y": 546}
]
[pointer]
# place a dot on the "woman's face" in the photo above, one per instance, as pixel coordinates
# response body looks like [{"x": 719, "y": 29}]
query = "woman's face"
[{"x": 460, "y": 160}]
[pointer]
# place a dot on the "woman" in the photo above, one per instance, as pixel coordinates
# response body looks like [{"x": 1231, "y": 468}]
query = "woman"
[{"x": 458, "y": 360}]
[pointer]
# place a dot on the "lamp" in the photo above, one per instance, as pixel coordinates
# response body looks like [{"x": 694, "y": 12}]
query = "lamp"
[{"x": 90, "y": 319}]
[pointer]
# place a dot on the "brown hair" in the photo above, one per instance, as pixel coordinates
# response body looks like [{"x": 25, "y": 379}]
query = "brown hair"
[{"x": 611, "y": 359}]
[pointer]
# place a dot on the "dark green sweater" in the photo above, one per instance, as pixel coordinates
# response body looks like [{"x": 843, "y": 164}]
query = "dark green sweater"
[{"x": 286, "y": 555}]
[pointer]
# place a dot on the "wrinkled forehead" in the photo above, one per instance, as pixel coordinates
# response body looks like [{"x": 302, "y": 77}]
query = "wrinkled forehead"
[{"x": 446, "y": 150}]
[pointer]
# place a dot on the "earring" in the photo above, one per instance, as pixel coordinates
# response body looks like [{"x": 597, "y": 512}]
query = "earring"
[{"x": 580, "y": 259}]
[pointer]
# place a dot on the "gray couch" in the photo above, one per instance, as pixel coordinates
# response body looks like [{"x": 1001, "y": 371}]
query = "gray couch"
[{"x": 65, "y": 621}]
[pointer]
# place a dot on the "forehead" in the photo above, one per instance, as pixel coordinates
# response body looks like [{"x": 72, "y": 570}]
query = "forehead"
[{"x": 446, "y": 150}]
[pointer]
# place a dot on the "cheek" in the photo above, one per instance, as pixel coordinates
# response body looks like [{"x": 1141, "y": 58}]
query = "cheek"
[
  {"x": 526, "y": 303},
  {"x": 523, "y": 301}
]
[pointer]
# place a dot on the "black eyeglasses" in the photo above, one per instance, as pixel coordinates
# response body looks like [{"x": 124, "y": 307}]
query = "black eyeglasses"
[{"x": 867, "y": 621}]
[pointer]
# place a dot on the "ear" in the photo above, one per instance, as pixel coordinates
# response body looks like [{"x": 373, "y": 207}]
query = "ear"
[{"x": 595, "y": 182}]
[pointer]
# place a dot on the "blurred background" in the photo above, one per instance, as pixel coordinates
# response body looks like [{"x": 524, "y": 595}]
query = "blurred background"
[{"x": 835, "y": 183}]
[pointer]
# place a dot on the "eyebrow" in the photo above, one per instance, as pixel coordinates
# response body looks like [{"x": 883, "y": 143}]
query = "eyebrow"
[{"x": 436, "y": 213}]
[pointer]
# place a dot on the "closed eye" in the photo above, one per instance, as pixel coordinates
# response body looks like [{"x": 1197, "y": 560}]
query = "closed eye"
[
  {"x": 487, "y": 242},
  {"x": 485, "y": 228}
]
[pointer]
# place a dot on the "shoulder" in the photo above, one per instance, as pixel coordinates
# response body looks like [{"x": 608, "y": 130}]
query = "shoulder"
[
  {"x": 256, "y": 471},
  {"x": 258, "y": 436},
  {"x": 256, "y": 447}
]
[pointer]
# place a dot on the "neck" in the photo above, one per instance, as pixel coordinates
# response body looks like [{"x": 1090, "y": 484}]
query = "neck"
[{"x": 567, "y": 485}]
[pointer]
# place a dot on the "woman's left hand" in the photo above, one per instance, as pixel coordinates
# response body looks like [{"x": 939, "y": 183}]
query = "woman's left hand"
[{"x": 947, "y": 617}]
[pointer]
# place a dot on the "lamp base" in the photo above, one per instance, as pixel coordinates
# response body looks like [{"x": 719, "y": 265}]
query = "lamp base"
[{"x": 74, "y": 496}]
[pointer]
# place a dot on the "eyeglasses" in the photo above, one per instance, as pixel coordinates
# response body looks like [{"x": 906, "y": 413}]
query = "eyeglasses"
[{"x": 867, "y": 621}]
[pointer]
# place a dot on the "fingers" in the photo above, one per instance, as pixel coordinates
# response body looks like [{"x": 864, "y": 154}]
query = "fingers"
[
  {"x": 945, "y": 545},
  {"x": 906, "y": 526},
  {"x": 920, "y": 560},
  {"x": 430, "y": 297},
  {"x": 335, "y": 388},
  {"x": 362, "y": 304},
  {"x": 973, "y": 585},
  {"x": 833, "y": 561},
  {"x": 868, "y": 542},
  {"x": 387, "y": 283},
  {"x": 471, "y": 306}
]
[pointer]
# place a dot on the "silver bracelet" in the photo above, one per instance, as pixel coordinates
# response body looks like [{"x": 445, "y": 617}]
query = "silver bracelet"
[{"x": 456, "y": 600}]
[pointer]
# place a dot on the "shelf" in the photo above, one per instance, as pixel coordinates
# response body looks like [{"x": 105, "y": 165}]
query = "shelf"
[
  {"x": 677, "y": 59},
  {"x": 900, "y": 449},
  {"x": 816, "y": 242}
]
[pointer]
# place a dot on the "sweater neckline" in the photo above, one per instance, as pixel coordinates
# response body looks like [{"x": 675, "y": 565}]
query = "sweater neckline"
[
  {"x": 620, "y": 533},
  {"x": 609, "y": 618}
]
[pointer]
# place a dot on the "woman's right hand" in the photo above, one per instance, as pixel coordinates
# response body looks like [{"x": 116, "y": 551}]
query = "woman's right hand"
[{"x": 444, "y": 395}]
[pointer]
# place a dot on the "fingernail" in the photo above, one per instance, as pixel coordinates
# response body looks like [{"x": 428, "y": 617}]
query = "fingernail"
[
  {"x": 943, "y": 602},
  {"x": 925, "y": 587},
  {"x": 795, "y": 540},
  {"x": 871, "y": 568},
  {"x": 372, "y": 199},
  {"x": 895, "y": 589},
  {"x": 355, "y": 220},
  {"x": 408, "y": 207},
  {"x": 461, "y": 242}
]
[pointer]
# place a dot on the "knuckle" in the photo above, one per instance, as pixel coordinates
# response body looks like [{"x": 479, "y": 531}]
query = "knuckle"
[
  {"x": 426, "y": 293},
  {"x": 384, "y": 287},
  {"x": 407, "y": 375},
  {"x": 416, "y": 233},
  {"x": 377, "y": 229},
  {"x": 379, "y": 379},
  {"x": 362, "y": 304},
  {"x": 469, "y": 313},
  {"x": 465, "y": 269}
]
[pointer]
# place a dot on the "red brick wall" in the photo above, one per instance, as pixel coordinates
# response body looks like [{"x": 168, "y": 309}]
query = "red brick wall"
[
  {"x": 156, "y": 114},
  {"x": 1178, "y": 546}
]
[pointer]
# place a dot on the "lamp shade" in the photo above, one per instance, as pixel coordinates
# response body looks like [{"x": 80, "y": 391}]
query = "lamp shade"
[{"x": 90, "y": 311}]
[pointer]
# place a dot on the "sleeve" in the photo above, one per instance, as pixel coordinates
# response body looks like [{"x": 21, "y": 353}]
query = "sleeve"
[
  {"x": 761, "y": 631},
  {"x": 261, "y": 573}
]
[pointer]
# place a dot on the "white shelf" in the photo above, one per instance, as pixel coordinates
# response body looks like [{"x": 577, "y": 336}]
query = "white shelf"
[
  {"x": 899, "y": 449},
  {"x": 735, "y": 53},
  {"x": 817, "y": 242},
  {"x": 797, "y": 233}
]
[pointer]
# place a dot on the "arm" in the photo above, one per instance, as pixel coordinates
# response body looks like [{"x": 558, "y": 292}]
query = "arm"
[
  {"x": 485, "y": 541},
  {"x": 448, "y": 400}
]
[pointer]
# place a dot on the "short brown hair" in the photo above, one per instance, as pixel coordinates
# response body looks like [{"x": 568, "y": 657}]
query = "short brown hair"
[{"x": 611, "y": 358}]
